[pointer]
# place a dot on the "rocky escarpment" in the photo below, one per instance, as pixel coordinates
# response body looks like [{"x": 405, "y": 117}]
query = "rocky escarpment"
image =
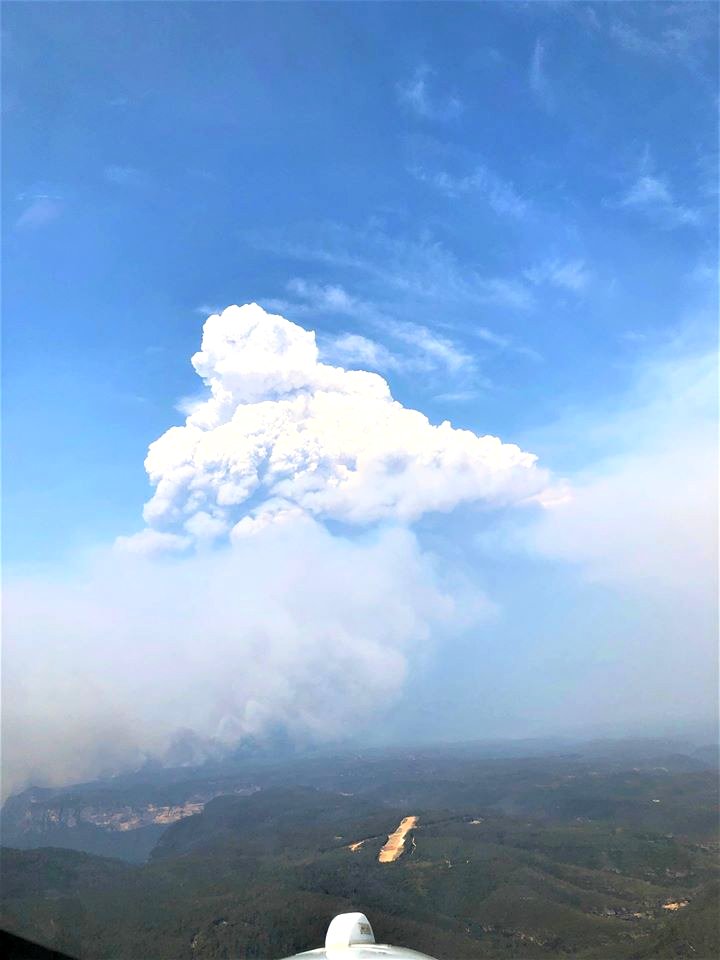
[
  {"x": 40, "y": 817},
  {"x": 99, "y": 821}
]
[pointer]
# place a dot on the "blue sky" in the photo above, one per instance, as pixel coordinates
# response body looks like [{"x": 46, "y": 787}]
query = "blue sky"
[
  {"x": 159, "y": 158},
  {"x": 508, "y": 210}
]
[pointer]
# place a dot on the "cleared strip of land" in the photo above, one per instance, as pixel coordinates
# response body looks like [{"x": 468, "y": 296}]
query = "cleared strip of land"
[
  {"x": 676, "y": 905},
  {"x": 395, "y": 845},
  {"x": 406, "y": 825}
]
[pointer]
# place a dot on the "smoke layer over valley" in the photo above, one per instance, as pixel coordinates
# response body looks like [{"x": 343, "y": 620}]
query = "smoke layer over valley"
[{"x": 237, "y": 610}]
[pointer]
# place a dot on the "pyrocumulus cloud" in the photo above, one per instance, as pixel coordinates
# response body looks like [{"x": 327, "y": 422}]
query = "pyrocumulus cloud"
[{"x": 237, "y": 610}]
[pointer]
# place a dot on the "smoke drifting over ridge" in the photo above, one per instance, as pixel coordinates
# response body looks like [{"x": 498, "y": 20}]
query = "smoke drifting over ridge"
[{"x": 236, "y": 610}]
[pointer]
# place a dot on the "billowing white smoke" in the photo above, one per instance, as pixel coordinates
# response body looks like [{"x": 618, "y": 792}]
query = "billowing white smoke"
[
  {"x": 283, "y": 434},
  {"x": 282, "y": 623}
]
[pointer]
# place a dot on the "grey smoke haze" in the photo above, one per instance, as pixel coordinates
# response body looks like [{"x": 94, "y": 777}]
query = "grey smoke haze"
[{"x": 295, "y": 627}]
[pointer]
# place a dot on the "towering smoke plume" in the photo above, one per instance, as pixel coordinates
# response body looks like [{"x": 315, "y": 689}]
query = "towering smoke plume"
[
  {"x": 283, "y": 435},
  {"x": 236, "y": 610}
]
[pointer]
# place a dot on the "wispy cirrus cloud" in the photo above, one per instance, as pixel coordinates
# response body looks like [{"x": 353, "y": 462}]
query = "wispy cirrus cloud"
[
  {"x": 39, "y": 212},
  {"x": 41, "y": 204},
  {"x": 499, "y": 193},
  {"x": 652, "y": 196},
  {"x": 126, "y": 176},
  {"x": 421, "y": 268},
  {"x": 415, "y": 95},
  {"x": 505, "y": 292},
  {"x": 430, "y": 349},
  {"x": 205, "y": 309},
  {"x": 538, "y": 75},
  {"x": 417, "y": 347},
  {"x": 633, "y": 40},
  {"x": 329, "y": 297},
  {"x": 421, "y": 309},
  {"x": 568, "y": 274},
  {"x": 309, "y": 298},
  {"x": 682, "y": 34},
  {"x": 439, "y": 349},
  {"x": 501, "y": 342},
  {"x": 457, "y": 396},
  {"x": 353, "y": 349}
]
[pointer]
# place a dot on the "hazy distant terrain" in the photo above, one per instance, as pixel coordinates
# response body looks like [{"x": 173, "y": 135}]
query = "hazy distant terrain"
[{"x": 605, "y": 850}]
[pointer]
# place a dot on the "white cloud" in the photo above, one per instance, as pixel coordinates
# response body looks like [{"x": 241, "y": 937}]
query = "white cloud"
[
  {"x": 651, "y": 196},
  {"x": 415, "y": 94},
  {"x": 279, "y": 426}
]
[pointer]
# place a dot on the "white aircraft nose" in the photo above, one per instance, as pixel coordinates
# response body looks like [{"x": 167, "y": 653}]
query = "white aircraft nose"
[
  {"x": 350, "y": 937},
  {"x": 348, "y": 929}
]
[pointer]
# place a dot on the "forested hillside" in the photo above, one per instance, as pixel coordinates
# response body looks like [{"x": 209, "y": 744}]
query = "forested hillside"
[{"x": 535, "y": 857}]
